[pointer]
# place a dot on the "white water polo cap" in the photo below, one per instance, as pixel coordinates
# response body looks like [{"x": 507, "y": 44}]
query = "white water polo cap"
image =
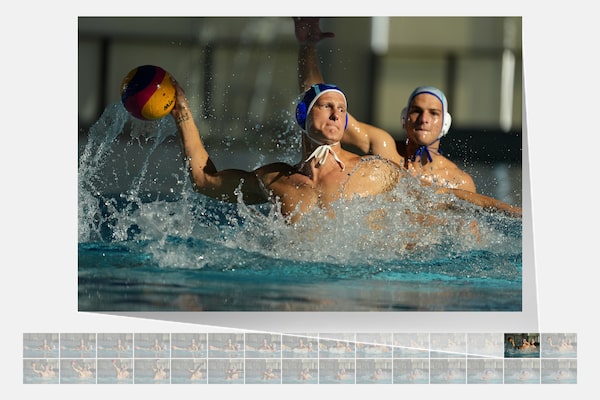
[
  {"x": 309, "y": 99},
  {"x": 446, "y": 117}
]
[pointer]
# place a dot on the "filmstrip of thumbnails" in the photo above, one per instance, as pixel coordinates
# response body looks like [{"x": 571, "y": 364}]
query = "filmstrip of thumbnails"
[{"x": 299, "y": 358}]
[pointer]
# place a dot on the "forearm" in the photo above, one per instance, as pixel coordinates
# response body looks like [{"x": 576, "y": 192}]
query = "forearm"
[
  {"x": 308, "y": 34},
  {"x": 357, "y": 136},
  {"x": 485, "y": 201},
  {"x": 221, "y": 185},
  {"x": 308, "y": 67},
  {"x": 371, "y": 140},
  {"x": 196, "y": 157}
]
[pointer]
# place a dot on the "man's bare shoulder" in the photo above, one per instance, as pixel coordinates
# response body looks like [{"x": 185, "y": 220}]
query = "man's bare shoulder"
[
  {"x": 444, "y": 162},
  {"x": 275, "y": 172},
  {"x": 276, "y": 168},
  {"x": 373, "y": 174},
  {"x": 456, "y": 176}
]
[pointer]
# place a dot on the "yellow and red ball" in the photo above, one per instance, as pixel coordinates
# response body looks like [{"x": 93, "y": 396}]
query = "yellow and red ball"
[{"x": 148, "y": 93}]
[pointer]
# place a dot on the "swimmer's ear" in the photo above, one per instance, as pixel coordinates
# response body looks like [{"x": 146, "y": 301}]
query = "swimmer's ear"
[{"x": 446, "y": 125}]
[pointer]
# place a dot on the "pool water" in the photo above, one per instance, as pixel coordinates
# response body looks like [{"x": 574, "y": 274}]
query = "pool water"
[
  {"x": 531, "y": 376},
  {"x": 148, "y": 242},
  {"x": 421, "y": 379},
  {"x": 510, "y": 352}
]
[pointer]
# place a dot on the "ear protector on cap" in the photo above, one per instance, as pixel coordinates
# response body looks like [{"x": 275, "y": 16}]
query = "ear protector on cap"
[
  {"x": 446, "y": 119},
  {"x": 310, "y": 98}
]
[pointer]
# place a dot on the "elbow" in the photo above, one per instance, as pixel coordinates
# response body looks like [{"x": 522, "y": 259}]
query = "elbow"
[{"x": 198, "y": 181}]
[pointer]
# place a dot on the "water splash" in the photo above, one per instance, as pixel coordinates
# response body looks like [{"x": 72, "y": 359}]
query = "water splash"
[{"x": 134, "y": 191}]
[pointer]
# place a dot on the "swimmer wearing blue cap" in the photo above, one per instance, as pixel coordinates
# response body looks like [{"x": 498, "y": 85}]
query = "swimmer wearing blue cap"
[
  {"x": 325, "y": 145},
  {"x": 325, "y": 174}
]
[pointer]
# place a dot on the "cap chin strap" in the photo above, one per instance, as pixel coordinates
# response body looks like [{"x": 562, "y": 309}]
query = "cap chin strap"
[
  {"x": 322, "y": 152},
  {"x": 424, "y": 149}
]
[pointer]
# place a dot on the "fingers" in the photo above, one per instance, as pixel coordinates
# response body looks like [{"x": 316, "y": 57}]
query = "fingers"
[
  {"x": 181, "y": 102},
  {"x": 307, "y": 30},
  {"x": 176, "y": 84}
]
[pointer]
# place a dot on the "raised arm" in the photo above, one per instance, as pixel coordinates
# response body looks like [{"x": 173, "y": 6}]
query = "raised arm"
[
  {"x": 365, "y": 138},
  {"x": 206, "y": 179},
  {"x": 308, "y": 33}
]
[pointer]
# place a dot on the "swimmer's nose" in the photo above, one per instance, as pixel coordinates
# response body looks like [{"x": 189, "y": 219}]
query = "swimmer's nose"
[
  {"x": 335, "y": 115},
  {"x": 421, "y": 119},
  {"x": 426, "y": 117}
]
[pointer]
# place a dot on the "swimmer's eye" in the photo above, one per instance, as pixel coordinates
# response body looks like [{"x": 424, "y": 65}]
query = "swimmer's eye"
[
  {"x": 328, "y": 106},
  {"x": 414, "y": 110}
]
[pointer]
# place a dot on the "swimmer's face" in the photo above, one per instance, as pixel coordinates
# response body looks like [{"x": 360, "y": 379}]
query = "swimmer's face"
[
  {"x": 328, "y": 117},
  {"x": 424, "y": 119}
]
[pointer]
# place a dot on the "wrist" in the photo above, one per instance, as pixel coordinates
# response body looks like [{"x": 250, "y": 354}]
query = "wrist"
[{"x": 182, "y": 117}]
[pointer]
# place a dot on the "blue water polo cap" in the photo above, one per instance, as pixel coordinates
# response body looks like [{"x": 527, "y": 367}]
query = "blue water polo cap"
[
  {"x": 446, "y": 118},
  {"x": 310, "y": 98}
]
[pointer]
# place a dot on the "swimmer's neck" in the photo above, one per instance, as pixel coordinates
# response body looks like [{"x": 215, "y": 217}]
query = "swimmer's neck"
[
  {"x": 414, "y": 156},
  {"x": 312, "y": 168}
]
